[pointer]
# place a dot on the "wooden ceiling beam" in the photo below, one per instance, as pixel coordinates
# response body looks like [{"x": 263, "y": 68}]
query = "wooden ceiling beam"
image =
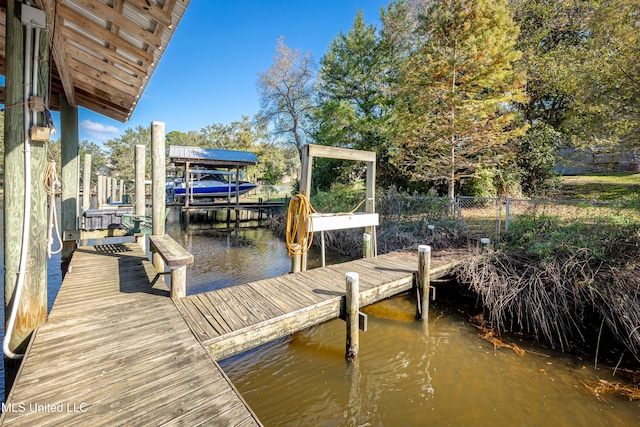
[
  {"x": 102, "y": 33},
  {"x": 101, "y": 76},
  {"x": 122, "y": 21},
  {"x": 104, "y": 92},
  {"x": 152, "y": 10},
  {"x": 102, "y": 66},
  {"x": 97, "y": 48},
  {"x": 57, "y": 49}
]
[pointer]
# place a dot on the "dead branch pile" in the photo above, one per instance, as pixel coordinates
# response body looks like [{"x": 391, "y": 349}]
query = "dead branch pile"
[{"x": 562, "y": 294}]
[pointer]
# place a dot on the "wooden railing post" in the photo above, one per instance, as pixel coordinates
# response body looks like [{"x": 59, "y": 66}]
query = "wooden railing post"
[
  {"x": 424, "y": 273},
  {"x": 366, "y": 245},
  {"x": 352, "y": 307},
  {"x": 179, "y": 282}
]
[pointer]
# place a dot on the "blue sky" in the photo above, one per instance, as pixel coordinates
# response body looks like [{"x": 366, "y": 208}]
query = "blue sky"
[{"x": 208, "y": 73}]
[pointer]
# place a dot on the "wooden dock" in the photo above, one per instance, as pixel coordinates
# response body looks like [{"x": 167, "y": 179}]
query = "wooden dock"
[
  {"x": 115, "y": 351},
  {"x": 118, "y": 351},
  {"x": 230, "y": 320}
]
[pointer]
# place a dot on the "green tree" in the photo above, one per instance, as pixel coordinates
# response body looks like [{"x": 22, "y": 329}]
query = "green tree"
[
  {"x": 455, "y": 108},
  {"x": 551, "y": 33},
  {"x": 286, "y": 95},
  {"x": 121, "y": 152},
  {"x": 607, "y": 109},
  {"x": 353, "y": 97},
  {"x": 98, "y": 159}
]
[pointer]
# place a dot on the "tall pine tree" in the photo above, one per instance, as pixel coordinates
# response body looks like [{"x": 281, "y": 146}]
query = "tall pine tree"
[
  {"x": 454, "y": 112},
  {"x": 353, "y": 104}
]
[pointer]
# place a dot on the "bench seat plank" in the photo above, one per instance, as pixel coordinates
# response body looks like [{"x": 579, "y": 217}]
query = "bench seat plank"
[{"x": 171, "y": 252}]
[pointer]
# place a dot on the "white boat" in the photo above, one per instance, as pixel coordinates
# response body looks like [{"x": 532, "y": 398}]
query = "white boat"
[{"x": 210, "y": 184}]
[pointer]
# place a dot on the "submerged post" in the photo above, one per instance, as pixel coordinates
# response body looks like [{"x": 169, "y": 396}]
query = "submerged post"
[
  {"x": 352, "y": 305},
  {"x": 424, "y": 273},
  {"x": 158, "y": 188}
]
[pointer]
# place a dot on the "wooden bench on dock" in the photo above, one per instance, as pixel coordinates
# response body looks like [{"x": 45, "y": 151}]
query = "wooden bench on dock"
[{"x": 177, "y": 258}]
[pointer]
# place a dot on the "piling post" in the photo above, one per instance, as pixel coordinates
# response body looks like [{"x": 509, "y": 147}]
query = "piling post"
[
  {"x": 352, "y": 305},
  {"x": 139, "y": 203},
  {"x": 108, "y": 192},
  {"x": 424, "y": 273},
  {"x": 70, "y": 152},
  {"x": 100, "y": 191},
  {"x": 25, "y": 215},
  {"x": 114, "y": 189},
  {"x": 122, "y": 190},
  {"x": 86, "y": 182},
  {"x": 158, "y": 190},
  {"x": 366, "y": 245}
]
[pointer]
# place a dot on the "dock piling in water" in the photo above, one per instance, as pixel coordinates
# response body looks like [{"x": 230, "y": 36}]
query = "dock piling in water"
[
  {"x": 352, "y": 307},
  {"x": 424, "y": 273}
]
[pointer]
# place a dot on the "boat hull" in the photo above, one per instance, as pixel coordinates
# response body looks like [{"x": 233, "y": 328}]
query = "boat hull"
[{"x": 214, "y": 191}]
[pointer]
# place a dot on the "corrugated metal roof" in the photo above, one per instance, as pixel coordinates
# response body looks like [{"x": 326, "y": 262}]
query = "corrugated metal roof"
[{"x": 211, "y": 156}]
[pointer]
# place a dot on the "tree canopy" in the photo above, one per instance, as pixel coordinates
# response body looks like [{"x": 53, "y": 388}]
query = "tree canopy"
[{"x": 455, "y": 108}]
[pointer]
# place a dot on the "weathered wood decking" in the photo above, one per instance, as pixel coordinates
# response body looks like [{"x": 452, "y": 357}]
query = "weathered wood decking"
[
  {"x": 115, "y": 351},
  {"x": 230, "y": 320}
]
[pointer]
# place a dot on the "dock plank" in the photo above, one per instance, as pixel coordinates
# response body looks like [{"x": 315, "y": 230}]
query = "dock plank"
[
  {"x": 303, "y": 299},
  {"x": 116, "y": 344}
]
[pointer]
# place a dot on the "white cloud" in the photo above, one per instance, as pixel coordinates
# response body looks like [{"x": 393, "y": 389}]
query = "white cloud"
[{"x": 97, "y": 131}]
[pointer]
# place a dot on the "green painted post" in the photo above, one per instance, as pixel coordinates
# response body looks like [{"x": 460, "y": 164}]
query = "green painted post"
[{"x": 70, "y": 172}]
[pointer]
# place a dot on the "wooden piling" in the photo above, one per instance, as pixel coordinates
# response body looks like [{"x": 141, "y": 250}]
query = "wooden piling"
[
  {"x": 352, "y": 307},
  {"x": 70, "y": 153},
  {"x": 100, "y": 191},
  {"x": 32, "y": 309},
  {"x": 139, "y": 203},
  {"x": 424, "y": 273},
  {"x": 107, "y": 193},
  {"x": 122, "y": 190},
  {"x": 86, "y": 182},
  {"x": 366, "y": 245},
  {"x": 158, "y": 187},
  {"x": 114, "y": 189}
]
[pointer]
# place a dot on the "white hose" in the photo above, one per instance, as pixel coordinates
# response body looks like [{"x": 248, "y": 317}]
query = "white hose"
[{"x": 27, "y": 205}]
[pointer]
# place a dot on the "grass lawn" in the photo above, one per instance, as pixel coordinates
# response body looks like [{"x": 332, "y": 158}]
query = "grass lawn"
[{"x": 605, "y": 187}]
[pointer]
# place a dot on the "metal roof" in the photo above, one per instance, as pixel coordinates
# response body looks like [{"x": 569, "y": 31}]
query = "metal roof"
[
  {"x": 179, "y": 155},
  {"x": 104, "y": 51}
]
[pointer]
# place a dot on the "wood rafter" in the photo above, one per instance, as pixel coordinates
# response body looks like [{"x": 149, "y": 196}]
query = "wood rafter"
[{"x": 104, "y": 51}]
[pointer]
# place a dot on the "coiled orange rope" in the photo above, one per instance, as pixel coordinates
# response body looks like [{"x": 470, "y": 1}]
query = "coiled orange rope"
[{"x": 298, "y": 237}]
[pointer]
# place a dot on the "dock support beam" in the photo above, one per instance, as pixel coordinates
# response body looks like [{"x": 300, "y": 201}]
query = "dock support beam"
[
  {"x": 158, "y": 188},
  {"x": 352, "y": 305},
  {"x": 139, "y": 202},
  {"x": 70, "y": 153},
  {"x": 424, "y": 273}
]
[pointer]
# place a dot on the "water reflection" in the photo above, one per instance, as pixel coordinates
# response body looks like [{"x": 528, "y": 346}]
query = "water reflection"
[{"x": 413, "y": 374}]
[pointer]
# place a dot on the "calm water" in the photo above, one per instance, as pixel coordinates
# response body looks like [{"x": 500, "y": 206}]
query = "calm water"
[{"x": 439, "y": 373}]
